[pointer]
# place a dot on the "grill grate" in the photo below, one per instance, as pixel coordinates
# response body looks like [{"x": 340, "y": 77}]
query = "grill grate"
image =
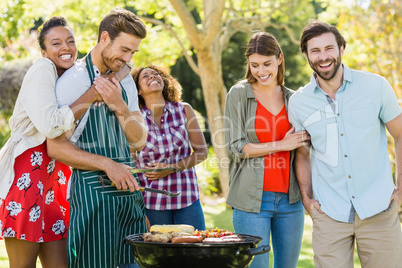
[{"x": 247, "y": 239}]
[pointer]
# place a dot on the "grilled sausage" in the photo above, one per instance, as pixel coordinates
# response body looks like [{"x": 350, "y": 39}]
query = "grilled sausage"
[{"x": 187, "y": 239}]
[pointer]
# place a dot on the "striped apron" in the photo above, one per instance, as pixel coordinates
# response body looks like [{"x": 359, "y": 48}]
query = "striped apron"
[{"x": 102, "y": 216}]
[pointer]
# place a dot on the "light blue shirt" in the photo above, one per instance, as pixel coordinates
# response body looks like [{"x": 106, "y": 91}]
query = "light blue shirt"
[{"x": 350, "y": 162}]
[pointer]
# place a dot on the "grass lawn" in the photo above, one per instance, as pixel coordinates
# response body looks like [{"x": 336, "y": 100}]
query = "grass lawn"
[{"x": 218, "y": 215}]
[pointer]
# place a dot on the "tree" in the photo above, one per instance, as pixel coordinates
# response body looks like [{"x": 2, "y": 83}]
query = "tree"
[
  {"x": 234, "y": 69},
  {"x": 209, "y": 34},
  {"x": 205, "y": 27}
]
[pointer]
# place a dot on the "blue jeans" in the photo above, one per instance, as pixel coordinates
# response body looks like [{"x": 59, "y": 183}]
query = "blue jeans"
[
  {"x": 277, "y": 217},
  {"x": 192, "y": 215}
]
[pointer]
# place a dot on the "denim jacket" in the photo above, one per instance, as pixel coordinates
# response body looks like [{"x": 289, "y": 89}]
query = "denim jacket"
[{"x": 247, "y": 175}]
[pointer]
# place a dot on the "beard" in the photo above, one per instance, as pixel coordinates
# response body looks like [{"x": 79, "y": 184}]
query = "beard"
[
  {"x": 108, "y": 60},
  {"x": 326, "y": 75}
]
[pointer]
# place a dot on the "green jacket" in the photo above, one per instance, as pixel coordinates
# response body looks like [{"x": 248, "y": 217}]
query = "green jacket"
[{"x": 247, "y": 175}]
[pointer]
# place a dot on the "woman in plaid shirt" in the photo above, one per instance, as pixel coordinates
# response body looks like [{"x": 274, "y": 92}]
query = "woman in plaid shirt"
[{"x": 174, "y": 140}]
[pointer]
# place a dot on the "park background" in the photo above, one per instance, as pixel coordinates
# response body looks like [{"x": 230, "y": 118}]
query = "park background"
[{"x": 202, "y": 44}]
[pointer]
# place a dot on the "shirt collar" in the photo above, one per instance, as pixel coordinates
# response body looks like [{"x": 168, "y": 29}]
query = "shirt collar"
[
  {"x": 54, "y": 66},
  {"x": 347, "y": 77},
  {"x": 168, "y": 107},
  {"x": 347, "y": 74},
  {"x": 249, "y": 91}
]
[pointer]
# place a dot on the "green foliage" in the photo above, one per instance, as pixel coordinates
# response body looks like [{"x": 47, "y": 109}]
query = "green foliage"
[
  {"x": 233, "y": 60},
  {"x": 374, "y": 39},
  {"x": 296, "y": 75},
  {"x": 17, "y": 17},
  {"x": 191, "y": 84},
  {"x": 208, "y": 174},
  {"x": 233, "y": 67},
  {"x": 84, "y": 18},
  {"x": 217, "y": 215},
  {"x": 4, "y": 129},
  {"x": 10, "y": 21},
  {"x": 373, "y": 35}
]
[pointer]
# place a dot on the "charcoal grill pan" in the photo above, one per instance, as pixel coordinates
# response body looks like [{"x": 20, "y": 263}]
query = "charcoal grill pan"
[{"x": 194, "y": 255}]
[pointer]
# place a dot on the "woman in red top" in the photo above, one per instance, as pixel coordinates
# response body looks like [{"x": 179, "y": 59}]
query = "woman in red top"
[{"x": 263, "y": 187}]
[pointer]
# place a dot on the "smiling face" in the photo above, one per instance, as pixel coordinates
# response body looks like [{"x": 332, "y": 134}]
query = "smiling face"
[
  {"x": 60, "y": 48},
  {"x": 264, "y": 68},
  {"x": 149, "y": 82},
  {"x": 324, "y": 55},
  {"x": 119, "y": 51}
]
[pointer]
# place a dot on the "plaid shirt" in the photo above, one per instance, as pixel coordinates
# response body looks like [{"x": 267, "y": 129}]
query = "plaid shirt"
[{"x": 168, "y": 144}]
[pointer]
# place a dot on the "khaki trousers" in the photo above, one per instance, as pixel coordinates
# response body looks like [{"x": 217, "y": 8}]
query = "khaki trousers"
[{"x": 378, "y": 240}]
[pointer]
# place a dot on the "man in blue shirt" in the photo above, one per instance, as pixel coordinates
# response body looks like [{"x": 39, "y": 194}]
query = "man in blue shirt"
[{"x": 345, "y": 177}]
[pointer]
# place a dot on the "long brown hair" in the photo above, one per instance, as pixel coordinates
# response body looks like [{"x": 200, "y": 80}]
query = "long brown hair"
[
  {"x": 265, "y": 44},
  {"x": 172, "y": 89}
]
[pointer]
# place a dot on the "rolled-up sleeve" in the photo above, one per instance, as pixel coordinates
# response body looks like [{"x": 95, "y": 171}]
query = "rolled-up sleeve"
[
  {"x": 292, "y": 114},
  {"x": 132, "y": 95},
  {"x": 40, "y": 102},
  {"x": 389, "y": 108},
  {"x": 235, "y": 135}
]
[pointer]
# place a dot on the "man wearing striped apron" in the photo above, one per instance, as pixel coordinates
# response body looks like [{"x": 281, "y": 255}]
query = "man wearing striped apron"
[{"x": 102, "y": 216}]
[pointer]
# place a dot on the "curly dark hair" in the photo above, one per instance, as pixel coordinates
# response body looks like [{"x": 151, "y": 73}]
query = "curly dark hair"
[
  {"x": 172, "y": 89},
  {"x": 47, "y": 26}
]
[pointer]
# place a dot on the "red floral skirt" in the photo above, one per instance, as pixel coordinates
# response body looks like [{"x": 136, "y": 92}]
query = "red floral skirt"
[{"x": 36, "y": 208}]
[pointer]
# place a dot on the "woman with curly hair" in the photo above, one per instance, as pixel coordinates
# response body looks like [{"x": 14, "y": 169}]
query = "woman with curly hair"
[{"x": 174, "y": 140}]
